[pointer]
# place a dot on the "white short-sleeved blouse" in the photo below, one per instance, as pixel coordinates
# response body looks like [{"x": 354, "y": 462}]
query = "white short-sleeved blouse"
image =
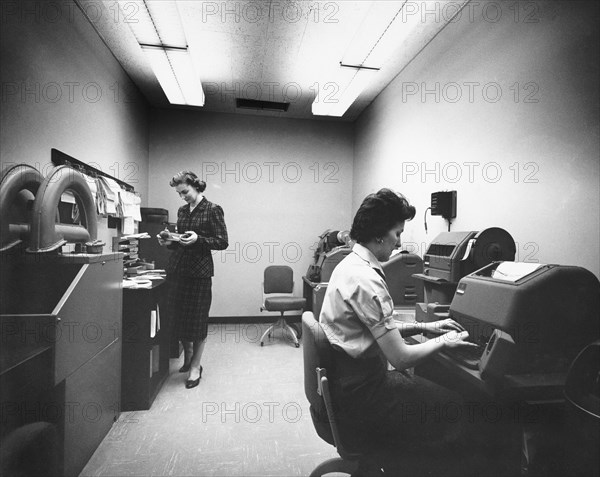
[{"x": 357, "y": 308}]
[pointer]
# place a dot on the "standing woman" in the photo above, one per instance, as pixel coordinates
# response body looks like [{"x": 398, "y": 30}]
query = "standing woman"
[{"x": 191, "y": 268}]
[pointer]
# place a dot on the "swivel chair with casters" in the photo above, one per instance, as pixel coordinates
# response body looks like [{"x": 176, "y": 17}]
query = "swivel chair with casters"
[
  {"x": 317, "y": 357},
  {"x": 360, "y": 456},
  {"x": 279, "y": 279}
]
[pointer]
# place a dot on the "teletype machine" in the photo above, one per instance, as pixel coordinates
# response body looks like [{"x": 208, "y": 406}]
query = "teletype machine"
[
  {"x": 332, "y": 248},
  {"x": 528, "y": 321},
  {"x": 451, "y": 256}
]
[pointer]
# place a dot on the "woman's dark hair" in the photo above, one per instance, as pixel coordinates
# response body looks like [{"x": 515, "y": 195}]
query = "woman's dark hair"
[
  {"x": 378, "y": 213},
  {"x": 189, "y": 178}
]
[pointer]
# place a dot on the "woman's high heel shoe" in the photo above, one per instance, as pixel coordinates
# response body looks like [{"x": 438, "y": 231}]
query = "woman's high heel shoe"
[{"x": 192, "y": 383}]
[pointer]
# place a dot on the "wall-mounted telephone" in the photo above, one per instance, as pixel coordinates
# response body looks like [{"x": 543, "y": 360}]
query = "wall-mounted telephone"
[{"x": 444, "y": 204}]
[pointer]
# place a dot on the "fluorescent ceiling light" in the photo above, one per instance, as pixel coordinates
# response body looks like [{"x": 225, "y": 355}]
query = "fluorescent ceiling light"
[
  {"x": 159, "y": 61},
  {"x": 187, "y": 78},
  {"x": 382, "y": 31},
  {"x": 164, "y": 45},
  {"x": 176, "y": 74},
  {"x": 335, "y": 97}
]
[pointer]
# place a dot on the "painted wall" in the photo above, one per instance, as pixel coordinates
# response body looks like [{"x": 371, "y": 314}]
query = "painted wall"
[
  {"x": 63, "y": 89},
  {"x": 281, "y": 183},
  {"x": 502, "y": 107}
]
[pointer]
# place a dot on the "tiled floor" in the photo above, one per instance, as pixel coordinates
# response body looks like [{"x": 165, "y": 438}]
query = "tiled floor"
[{"x": 248, "y": 417}]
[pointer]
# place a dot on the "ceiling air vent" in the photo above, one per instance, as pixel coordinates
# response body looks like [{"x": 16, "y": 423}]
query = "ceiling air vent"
[{"x": 261, "y": 105}]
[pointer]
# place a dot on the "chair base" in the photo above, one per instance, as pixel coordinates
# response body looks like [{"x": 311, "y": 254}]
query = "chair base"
[
  {"x": 284, "y": 326},
  {"x": 337, "y": 465}
]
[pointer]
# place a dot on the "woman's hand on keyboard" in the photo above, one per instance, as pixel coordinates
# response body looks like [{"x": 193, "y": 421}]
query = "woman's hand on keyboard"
[
  {"x": 444, "y": 326},
  {"x": 455, "y": 339}
]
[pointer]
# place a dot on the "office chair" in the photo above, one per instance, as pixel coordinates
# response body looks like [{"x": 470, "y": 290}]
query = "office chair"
[
  {"x": 279, "y": 279},
  {"x": 360, "y": 456},
  {"x": 406, "y": 290},
  {"x": 317, "y": 357}
]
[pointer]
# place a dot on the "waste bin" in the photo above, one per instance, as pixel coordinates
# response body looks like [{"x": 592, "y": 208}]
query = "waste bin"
[{"x": 582, "y": 395}]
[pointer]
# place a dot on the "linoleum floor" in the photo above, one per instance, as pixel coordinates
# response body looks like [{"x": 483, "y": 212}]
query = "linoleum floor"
[{"x": 248, "y": 417}]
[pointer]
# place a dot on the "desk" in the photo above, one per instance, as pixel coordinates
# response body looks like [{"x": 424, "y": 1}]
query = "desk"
[
  {"x": 530, "y": 405},
  {"x": 522, "y": 387},
  {"x": 145, "y": 360}
]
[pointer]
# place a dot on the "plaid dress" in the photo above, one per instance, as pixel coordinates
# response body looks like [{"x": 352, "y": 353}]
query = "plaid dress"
[{"x": 190, "y": 269}]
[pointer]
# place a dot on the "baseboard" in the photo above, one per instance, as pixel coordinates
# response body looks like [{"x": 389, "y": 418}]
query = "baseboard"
[{"x": 253, "y": 319}]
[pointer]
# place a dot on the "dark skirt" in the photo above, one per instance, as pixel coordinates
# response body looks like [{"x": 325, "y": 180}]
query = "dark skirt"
[
  {"x": 189, "y": 304},
  {"x": 393, "y": 407},
  {"x": 412, "y": 416}
]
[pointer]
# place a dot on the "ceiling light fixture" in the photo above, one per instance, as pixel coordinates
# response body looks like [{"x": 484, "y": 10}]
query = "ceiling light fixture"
[
  {"x": 365, "y": 54},
  {"x": 172, "y": 65},
  {"x": 175, "y": 73},
  {"x": 331, "y": 100}
]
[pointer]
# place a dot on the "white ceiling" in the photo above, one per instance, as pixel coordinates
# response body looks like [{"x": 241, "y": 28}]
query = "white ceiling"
[{"x": 270, "y": 50}]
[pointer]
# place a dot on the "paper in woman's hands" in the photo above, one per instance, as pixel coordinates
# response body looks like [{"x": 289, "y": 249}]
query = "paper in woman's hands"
[{"x": 167, "y": 235}]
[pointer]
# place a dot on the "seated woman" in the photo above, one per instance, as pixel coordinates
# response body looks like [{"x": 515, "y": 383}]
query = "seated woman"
[{"x": 381, "y": 407}]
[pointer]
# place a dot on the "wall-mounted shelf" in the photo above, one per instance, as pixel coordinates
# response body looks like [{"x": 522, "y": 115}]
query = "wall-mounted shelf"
[{"x": 59, "y": 158}]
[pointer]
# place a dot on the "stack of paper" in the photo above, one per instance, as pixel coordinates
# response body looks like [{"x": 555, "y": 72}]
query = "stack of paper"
[
  {"x": 111, "y": 199},
  {"x": 154, "y": 322},
  {"x": 130, "y": 204},
  {"x": 137, "y": 282},
  {"x": 513, "y": 271},
  {"x": 110, "y": 189}
]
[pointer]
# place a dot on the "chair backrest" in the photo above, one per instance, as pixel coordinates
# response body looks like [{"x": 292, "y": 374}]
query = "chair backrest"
[
  {"x": 317, "y": 356},
  {"x": 316, "y": 349},
  {"x": 405, "y": 289},
  {"x": 278, "y": 279}
]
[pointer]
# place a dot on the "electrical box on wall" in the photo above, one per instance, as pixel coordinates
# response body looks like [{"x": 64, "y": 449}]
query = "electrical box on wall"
[{"x": 444, "y": 204}]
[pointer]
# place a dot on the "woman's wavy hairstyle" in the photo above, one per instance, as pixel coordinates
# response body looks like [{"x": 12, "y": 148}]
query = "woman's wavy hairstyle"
[
  {"x": 189, "y": 178},
  {"x": 378, "y": 213}
]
